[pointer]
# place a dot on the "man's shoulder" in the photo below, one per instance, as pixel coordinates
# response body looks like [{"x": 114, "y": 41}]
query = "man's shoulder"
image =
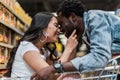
[{"x": 96, "y": 13}]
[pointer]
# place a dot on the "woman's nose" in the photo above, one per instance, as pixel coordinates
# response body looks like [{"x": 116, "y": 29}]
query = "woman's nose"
[{"x": 58, "y": 29}]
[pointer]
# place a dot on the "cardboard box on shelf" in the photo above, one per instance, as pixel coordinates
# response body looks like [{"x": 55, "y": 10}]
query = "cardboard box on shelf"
[
  {"x": 12, "y": 4},
  {"x": 4, "y": 36},
  {"x": 2, "y": 58},
  {"x": 1, "y": 33},
  {"x": 12, "y": 20},
  {"x": 1, "y": 11},
  {"x": 6, "y": 2}
]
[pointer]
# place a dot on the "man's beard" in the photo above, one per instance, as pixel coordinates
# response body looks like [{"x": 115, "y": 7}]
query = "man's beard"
[{"x": 70, "y": 29}]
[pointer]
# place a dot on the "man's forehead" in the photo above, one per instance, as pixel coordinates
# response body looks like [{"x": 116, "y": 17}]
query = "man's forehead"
[
  {"x": 60, "y": 18},
  {"x": 60, "y": 14}
]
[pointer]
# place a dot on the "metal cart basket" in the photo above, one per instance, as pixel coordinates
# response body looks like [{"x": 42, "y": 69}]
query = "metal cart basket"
[{"x": 110, "y": 72}]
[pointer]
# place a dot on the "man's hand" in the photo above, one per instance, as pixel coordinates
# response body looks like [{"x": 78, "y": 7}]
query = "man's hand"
[{"x": 43, "y": 74}]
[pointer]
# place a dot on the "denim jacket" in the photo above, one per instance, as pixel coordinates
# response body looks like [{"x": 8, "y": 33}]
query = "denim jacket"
[{"x": 102, "y": 30}]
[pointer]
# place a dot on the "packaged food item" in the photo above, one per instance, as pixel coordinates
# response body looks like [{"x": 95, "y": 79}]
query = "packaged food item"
[
  {"x": 1, "y": 36},
  {"x": 12, "y": 4},
  {"x": 4, "y": 35},
  {"x": 1, "y": 33},
  {"x": 5, "y": 38},
  {"x": 22, "y": 14},
  {"x": 17, "y": 24},
  {"x": 6, "y": 19},
  {"x": 2, "y": 58},
  {"x": 12, "y": 20},
  {"x": 1, "y": 11},
  {"x": 21, "y": 27},
  {"x": 6, "y": 2}
]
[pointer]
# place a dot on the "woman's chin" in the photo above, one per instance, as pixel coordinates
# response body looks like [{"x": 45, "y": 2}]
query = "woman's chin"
[{"x": 55, "y": 40}]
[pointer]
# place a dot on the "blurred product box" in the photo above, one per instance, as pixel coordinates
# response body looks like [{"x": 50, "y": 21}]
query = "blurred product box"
[
  {"x": 2, "y": 57},
  {"x": 2, "y": 15},
  {"x": 12, "y": 20},
  {"x": 6, "y": 14},
  {"x": 21, "y": 13},
  {"x": 6, "y": 2},
  {"x": 12, "y": 4},
  {"x": 1, "y": 10},
  {"x": 4, "y": 36},
  {"x": 1, "y": 33}
]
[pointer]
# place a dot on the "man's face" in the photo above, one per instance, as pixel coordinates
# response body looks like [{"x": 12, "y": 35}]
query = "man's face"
[{"x": 66, "y": 26}]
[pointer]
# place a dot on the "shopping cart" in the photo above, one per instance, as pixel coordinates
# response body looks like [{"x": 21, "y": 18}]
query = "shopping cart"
[
  {"x": 110, "y": 72},
  {"x": 16, "y": 78},
  {"x": 107, "y": 73}
]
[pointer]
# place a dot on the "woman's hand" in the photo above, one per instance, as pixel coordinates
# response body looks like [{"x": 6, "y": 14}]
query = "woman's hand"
[
  {"x": 70, "y": 49},
  {"x": 72, "y": 41}
]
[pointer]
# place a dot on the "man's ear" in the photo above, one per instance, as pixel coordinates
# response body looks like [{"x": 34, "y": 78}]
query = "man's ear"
[{"x": 73, "y": 18}]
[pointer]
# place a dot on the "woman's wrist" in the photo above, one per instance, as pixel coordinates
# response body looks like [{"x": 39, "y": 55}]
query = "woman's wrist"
[
  {"x": 52, "y": 69},
  {"x": 67, "y": 66},
  {"x": 68, "y": 50}
]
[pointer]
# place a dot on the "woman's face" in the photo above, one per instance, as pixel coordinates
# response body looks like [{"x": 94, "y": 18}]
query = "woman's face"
[{"x": 53, "y": 30}]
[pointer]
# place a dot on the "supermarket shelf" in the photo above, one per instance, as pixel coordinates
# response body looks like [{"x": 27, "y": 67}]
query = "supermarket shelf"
[
  {"x": 6, "y": 45},
  {"x": 11, "y": 27},
  {"x": 12, "y": 12}
]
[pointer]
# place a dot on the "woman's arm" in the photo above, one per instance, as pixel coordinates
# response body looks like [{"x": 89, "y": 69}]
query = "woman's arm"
[
  {"x": 70, "y": 49},
  {"x": 34, "y": 60}
]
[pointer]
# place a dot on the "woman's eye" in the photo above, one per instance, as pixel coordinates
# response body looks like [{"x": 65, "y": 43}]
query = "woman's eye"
[{"x": 57, "y": 25}]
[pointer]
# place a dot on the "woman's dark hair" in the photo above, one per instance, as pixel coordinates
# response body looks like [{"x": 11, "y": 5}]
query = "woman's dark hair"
[
  {"x": 69, "y": 6},
  {"x": 39, "y": 22}
]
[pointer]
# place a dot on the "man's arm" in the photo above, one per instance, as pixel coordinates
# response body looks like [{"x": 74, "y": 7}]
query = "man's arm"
[
  {"x": 46, "y": 72},
  {"x": 68, "y": 67}
]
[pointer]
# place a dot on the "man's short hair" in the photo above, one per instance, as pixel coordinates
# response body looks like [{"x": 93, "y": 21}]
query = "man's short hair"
[{"x": 69, "y": 6}]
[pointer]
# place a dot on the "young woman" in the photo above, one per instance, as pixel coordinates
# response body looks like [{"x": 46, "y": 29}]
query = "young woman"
[{"x": 36, "y": 48}]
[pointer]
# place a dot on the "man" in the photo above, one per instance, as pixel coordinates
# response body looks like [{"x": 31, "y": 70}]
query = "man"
[{"x": 100, "y": 30}]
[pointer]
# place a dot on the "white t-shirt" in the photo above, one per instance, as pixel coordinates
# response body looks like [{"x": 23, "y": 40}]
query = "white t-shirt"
[{"x": 20, "y": 68}]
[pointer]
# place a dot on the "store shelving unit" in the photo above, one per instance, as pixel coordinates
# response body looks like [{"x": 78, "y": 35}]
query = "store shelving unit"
[
  {"x": 12, "y": 28},
  {"x": 12, "y": 11}
]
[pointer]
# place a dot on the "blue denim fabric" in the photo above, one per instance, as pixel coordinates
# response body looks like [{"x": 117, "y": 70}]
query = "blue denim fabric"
[{"x": 102, "y": 29}]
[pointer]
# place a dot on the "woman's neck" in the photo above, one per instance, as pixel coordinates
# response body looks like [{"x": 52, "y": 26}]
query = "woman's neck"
[{"x": 39, "y": 45}]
